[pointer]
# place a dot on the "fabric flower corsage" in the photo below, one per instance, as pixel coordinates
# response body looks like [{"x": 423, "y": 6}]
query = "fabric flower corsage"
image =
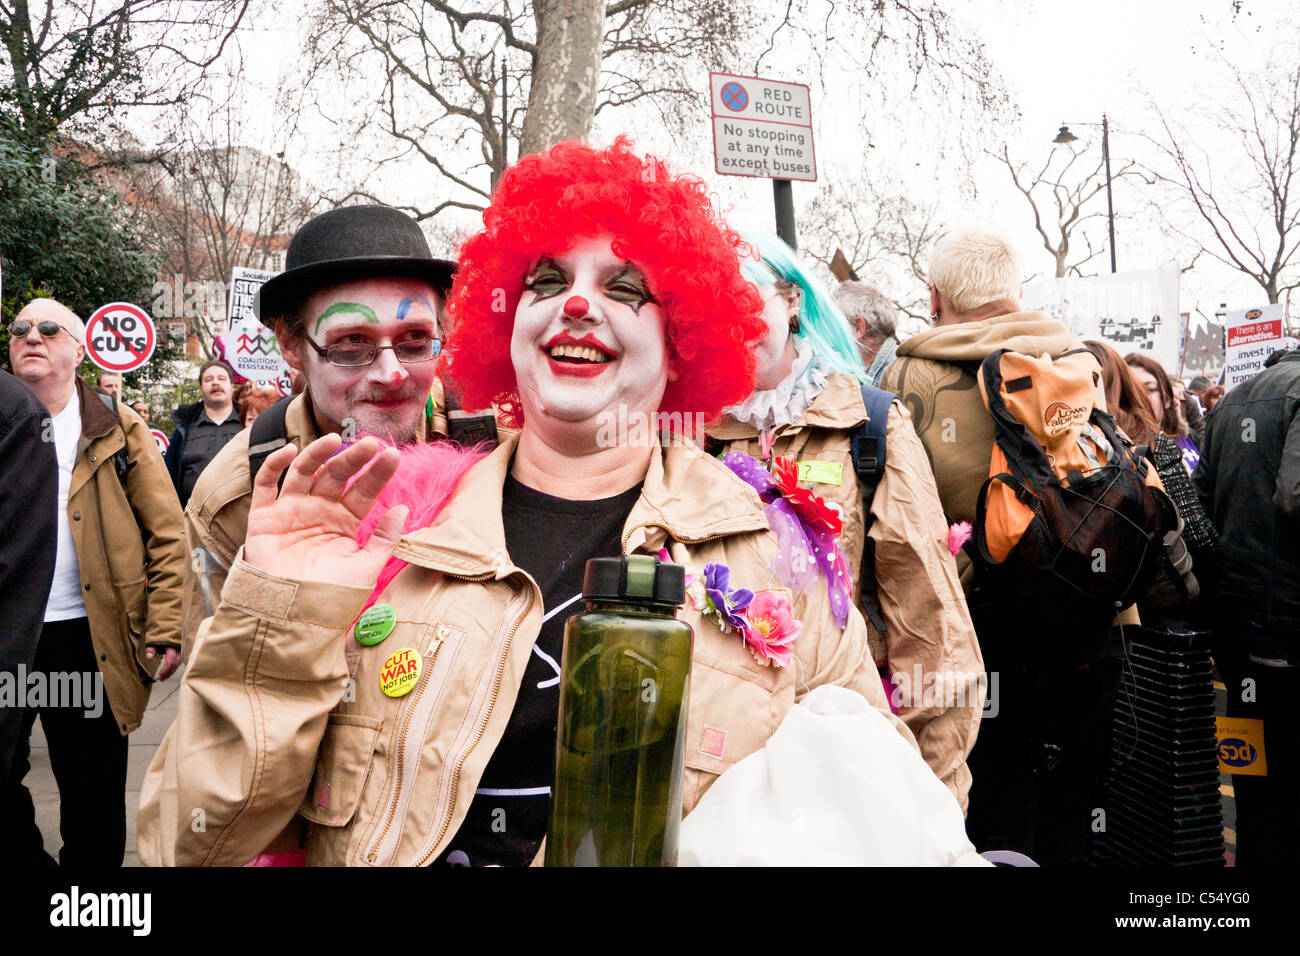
[
  {"x": 725, "y": 605},
  {"x": 772, "y": 628},
  {"x": 811, "y": 508},
  {"x": 806, "y": 531},
  {"x": 765, "y": 622},
  {"x": 958, "y": 534}
]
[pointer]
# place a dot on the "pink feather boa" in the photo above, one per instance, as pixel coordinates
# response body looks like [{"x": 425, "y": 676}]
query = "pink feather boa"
[{"x": 426, "y": 478}]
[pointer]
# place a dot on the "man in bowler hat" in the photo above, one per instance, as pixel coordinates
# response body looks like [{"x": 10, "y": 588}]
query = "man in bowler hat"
[{"x": 358, "y": 316}]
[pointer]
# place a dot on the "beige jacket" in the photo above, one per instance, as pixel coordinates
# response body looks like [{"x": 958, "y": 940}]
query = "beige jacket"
[
  {"x": 281, "y": 715},
  {"x": 130, "y": 551},
  {"x": 926, "y": 622},
  {"x": 216, "y": 516}
]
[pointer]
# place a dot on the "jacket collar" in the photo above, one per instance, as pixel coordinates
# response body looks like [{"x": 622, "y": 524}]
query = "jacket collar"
[
  {"x": 97, "y": 419},
  {"x": 686, "y": 495},
  {"x": 838, "y": 405}
]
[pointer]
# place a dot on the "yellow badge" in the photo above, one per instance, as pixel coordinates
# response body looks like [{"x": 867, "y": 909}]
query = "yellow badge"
[
  {"x": 1241, "y": 746},
  {"x": 400, "y": 672},
  {"x": 821, "y": 472}
]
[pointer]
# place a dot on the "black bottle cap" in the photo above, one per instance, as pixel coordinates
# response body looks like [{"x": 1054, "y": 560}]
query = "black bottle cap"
[{"x": 637, "y": 579}]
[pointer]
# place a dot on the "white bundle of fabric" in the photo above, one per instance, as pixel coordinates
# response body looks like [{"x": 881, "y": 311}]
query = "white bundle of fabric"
[{"x": 836, "y": 785}]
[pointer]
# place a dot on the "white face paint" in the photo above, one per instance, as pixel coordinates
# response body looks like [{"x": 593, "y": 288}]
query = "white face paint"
[
  {"x": 776, "y": 353},
  {"x": 385, "y": 398},
  {"x": 588, "y": 338}
]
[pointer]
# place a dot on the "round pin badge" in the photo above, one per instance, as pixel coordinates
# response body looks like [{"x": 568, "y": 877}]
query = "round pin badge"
[
  {"x": 400, "y": 672},
  {"x": 375, "y": 624}
]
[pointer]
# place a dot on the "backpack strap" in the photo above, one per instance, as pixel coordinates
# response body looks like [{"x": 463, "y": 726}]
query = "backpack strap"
[
  {"x": 121, "y": 459},
  {"x": 268, "y": 434},
  {"x": 867, "y": 445},
  {"x": 468, "y": 428}
]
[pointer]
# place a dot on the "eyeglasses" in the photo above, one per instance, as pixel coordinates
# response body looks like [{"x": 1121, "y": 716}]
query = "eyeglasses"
[
  {"x": 47, "y": 327},
  {"x": 357, "y": 354}
]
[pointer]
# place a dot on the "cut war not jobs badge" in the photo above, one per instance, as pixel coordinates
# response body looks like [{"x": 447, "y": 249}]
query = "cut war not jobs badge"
[
  {"x": 375, "y": 624},
  {"x": 400, "y": 672}
]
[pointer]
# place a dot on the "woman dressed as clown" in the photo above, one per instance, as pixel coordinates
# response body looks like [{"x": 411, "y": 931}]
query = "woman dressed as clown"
[{"x": 807, "y": 405}]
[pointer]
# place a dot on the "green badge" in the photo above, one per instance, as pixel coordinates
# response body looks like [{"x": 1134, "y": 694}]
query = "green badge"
[
  {"x": 821, "y": 472},
  {"x": 375, "y": 624}
]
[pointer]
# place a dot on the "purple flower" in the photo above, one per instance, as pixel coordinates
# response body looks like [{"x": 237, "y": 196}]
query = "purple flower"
[{"x": 728, "y": 604}]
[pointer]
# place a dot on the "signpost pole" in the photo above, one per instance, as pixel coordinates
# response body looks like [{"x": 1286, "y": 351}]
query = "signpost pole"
[{"x": 783, "y": 195}]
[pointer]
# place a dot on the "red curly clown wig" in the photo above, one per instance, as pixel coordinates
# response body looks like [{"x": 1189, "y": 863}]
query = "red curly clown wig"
[{"x": 664, "y": 223}]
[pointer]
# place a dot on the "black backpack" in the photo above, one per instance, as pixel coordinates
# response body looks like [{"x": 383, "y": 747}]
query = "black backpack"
[{"x": 868, "y": 449}]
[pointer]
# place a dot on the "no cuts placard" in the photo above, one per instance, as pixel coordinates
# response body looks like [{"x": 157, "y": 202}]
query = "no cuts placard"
[
  {"x": 761, "y": 128},
  {"x": 120, "y": 337}
]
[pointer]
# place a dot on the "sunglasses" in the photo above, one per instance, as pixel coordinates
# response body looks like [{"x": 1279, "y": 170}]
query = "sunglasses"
[{"x": 47, "y": 327}]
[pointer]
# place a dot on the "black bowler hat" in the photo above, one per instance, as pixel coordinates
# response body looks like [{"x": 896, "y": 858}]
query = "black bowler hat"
[{"x": 355, "y": 242}]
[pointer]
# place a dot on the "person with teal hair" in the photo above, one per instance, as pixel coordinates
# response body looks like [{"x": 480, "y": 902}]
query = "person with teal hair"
[
  {"x": 819, "y": 328},
  {"x": 808, "y": 403}
]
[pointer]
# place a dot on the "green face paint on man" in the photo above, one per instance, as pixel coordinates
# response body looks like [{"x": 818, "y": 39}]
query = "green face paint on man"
[{"x": 386, "y": 397}]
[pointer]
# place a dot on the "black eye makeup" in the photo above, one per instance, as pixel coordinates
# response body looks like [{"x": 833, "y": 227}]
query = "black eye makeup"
[
  {"x": 546, "y": 280},
  {"x": 626, "y": 285},
  {"x": 629, "y": 286}
]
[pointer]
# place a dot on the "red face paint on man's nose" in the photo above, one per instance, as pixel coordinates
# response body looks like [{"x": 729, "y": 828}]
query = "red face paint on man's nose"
[{"x": 576, "y": 307}]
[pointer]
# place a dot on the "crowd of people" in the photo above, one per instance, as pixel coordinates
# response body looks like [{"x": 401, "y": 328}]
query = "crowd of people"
[{"x": 448, "y": 459}]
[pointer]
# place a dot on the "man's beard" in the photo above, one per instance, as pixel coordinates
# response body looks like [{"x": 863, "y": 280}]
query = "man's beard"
[{"x": 399, "y": 426}]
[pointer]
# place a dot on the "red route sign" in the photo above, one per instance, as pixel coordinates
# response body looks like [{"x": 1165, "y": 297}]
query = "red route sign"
[{"x": 120, "y": 337}]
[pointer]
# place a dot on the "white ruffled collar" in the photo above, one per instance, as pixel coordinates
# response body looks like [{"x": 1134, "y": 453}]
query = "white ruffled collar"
[{"x": 787, "y": 402}]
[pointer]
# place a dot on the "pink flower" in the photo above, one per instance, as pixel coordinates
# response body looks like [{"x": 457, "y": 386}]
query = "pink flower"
[
  {"x": 958, "y": 534},
  {"x": 772, "y": 628}
]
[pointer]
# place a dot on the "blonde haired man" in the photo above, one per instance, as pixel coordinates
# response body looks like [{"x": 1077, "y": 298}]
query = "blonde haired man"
[
  {"x": 1038, "y": 763},
  {"x": 975, "y": 274}
]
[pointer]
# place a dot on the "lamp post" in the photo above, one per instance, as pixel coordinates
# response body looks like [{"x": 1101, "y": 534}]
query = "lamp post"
[{"x": 1065, "y": 136}]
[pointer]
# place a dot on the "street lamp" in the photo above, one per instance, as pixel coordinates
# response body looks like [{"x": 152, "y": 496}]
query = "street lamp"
[{"x": 1064, "y": 137}]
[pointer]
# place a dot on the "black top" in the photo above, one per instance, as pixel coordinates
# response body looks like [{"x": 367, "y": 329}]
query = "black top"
[
  {"x": 551, "y": 539},
  {"x": 1248, "y": 480},
  {"x": 29, "y": 505},
  {"x": 202, "y": 442}
]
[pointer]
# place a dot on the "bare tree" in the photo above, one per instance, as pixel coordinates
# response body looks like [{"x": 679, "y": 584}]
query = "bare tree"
[
  {"x": 1246, "y": 216},
  {"x": 883, "y": 235},
  {"x": 215, "y": 202},
  {"x": 432, "y": 75},
  {"x": 566, "y": 75},
  {"x": 1064, "y": 194},
  {"x": 71, "y": 64}
]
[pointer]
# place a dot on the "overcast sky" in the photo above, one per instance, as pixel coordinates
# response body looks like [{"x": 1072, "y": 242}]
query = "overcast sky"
[{"x": 1060, "y": 61}]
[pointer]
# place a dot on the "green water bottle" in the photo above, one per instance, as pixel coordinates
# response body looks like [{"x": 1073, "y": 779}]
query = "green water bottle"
[{"x": 621, "y": 741}]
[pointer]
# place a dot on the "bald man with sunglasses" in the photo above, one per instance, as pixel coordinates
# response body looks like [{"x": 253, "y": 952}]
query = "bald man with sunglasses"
[{"x": 112, "y": 614}]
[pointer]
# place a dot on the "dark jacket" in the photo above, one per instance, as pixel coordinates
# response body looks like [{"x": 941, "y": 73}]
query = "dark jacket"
[
  {"x": 1248, "y": 480},
  {"x": 185, "y": 417},
  {"x": 29, "y": 497}
]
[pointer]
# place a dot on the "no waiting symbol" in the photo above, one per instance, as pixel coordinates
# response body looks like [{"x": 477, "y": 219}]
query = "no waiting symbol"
[{"x": 734, "y": 97}]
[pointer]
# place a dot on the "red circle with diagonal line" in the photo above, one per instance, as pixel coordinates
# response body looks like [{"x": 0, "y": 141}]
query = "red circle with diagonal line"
[{"x": 120, "y": 337}]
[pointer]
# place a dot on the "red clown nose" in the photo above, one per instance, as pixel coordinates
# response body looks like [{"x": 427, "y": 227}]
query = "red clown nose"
[{"x": 576, "y": 307}]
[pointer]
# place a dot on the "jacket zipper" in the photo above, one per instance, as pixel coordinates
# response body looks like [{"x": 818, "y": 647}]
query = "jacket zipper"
[
  {"x": 431, "y": 656},
  {"x": 478, "y": 736}
]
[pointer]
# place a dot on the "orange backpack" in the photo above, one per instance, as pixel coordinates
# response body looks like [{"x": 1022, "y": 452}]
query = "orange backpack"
[{"x": 1072, "y": 518}]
